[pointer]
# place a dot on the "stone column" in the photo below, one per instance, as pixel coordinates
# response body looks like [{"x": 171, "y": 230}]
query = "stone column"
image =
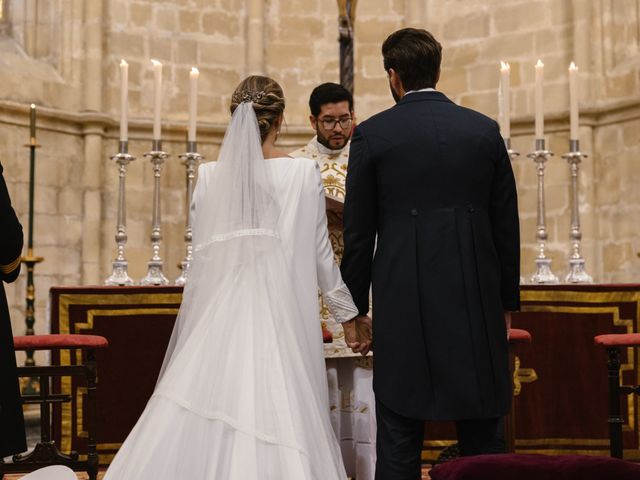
[
  {"x": 255, "y": 58},
  {"x": 93, "y": 152}
]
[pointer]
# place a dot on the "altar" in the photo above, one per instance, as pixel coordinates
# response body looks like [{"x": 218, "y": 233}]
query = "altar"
[
  {"x": 560, "y": 380},
  {"x": 137, "y": 321}
]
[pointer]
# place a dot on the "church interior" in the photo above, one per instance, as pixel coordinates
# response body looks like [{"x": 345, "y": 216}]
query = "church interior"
[{"x": 105, "y": 214}]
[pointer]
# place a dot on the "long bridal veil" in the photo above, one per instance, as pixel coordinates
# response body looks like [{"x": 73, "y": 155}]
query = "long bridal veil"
[
  {"x": 237, "y": 396},
  {"x": 234, "y": 230}
]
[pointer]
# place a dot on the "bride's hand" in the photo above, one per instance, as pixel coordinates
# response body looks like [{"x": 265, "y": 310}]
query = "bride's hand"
[{"x": 358, "y": 334}]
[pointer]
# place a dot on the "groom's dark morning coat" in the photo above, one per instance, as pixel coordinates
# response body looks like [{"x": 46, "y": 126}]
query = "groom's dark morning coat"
[{"x": 434, "y": 182}]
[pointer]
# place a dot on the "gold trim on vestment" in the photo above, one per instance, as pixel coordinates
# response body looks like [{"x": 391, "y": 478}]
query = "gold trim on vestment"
[{"x": 10, "y": 267}]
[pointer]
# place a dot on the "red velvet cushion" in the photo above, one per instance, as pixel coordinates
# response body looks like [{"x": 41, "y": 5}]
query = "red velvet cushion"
[
  {"x": 56, "y": 342},
  {"x": 617, "y": 340},
  {"x": 516, "y": 335},
  {"x": 536, "y": 467}
]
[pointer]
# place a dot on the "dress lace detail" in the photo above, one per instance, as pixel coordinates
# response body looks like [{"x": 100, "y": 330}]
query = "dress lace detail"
[{"x": 340, "y": 304}]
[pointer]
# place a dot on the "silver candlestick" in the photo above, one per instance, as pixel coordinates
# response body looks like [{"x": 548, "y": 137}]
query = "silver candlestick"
[
  {"x": 120, "y": 275},
  {"x": 543, "y": 274},
  {"x": 512, "y": 156},
  {"x": 155, "y": 276},
  {"x": 577, "y": 273},
  {"x": 512, "y": 153},
  {"x": 190, "y": 160}
]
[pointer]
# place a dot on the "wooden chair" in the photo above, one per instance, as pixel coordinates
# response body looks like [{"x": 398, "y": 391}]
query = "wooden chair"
[
  {"x": 46, "y": 452},
  {"x": 613, "y": 343}
]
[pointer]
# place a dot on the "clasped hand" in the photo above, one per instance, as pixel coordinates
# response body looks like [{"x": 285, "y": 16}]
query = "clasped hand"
[{"x": 358, "y": 334}]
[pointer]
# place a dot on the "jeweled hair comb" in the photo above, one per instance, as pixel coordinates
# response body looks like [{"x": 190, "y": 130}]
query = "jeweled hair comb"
[{"x": 248, "y": 96}]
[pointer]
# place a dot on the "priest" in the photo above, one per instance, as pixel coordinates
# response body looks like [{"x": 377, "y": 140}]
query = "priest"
[{"x": 332, "y": 119}]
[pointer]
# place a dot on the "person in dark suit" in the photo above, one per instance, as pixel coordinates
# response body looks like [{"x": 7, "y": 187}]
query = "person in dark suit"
[
  {"x": 433, "y": 181},
  {"x": 12, "y": 433}
]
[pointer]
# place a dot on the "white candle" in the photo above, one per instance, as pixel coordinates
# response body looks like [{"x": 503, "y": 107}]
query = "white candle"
[
  {"x": 193, "y": 103},
  {"x": 124, "y": 100},
  {"x": 539, "y": 101},
  {"x": 573, "y": 100},
  {"x": 505, "y": 91},
  {"x": 157, "y": 77}
]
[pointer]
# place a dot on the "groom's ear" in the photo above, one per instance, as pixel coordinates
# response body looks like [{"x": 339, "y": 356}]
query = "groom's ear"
[{"x": 314, "y": 122}]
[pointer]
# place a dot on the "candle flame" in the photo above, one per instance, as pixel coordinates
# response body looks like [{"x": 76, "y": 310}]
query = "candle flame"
[
  {"x": 573, "y": 66},
  {"x": 195, "y": 70},
  {"x": 504, "y": 65},
  {"x": 539, "y": 64},
  {"x": 155, "y": 62},
  {"x": 123, "y": 63},
  {"x": 33, "y": 106}
]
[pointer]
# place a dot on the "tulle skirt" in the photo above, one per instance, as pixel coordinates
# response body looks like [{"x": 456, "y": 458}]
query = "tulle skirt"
[{"x": 243, "y": 392}]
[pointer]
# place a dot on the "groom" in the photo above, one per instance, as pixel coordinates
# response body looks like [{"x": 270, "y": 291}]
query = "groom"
[{"x": 432, "y": 180}]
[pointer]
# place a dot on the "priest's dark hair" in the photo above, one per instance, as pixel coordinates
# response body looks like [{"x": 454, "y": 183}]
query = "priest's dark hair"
[
  {"x": 328, "y": 93},
  {"x": 415, "y": 55}
]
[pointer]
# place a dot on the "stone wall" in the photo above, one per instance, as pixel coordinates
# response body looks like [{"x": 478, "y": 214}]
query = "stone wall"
[{"x": 63, "y": 56}]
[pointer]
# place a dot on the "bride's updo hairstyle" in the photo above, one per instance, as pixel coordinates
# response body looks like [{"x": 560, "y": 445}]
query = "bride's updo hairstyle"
[{"x": 267, "y": 99}]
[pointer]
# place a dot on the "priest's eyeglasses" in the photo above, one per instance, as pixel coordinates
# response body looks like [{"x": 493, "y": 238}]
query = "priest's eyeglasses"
[{"x": 330, "y": 123}]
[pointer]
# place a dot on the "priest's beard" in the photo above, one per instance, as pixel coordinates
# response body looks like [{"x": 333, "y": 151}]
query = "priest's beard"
[{"x": 339, "y": 140}]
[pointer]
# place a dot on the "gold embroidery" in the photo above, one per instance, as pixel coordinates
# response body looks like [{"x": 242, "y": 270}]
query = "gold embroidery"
[{"x": 10, "y": 267}]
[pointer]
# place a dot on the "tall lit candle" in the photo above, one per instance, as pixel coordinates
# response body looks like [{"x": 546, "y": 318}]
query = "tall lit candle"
[
  {"x": 157, "y": 82},
  {"x": 505, "y": 92},
  {"x": 193, "y": 103},
  {"x": 573, "y": 100},
  {"x": 32, "y": 121},
  {"x": 539, "y": 105},
  {"x": 124, "y": 100}
]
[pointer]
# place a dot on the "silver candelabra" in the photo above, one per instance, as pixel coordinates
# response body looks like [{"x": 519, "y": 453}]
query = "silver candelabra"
[
  {"x": 155, "y": 276},
  {"x": 190, "y": 160},
  {"x": 120, "y": 275},
  {"x": 513, "y": 154},
  {"x": 577, "y": 273},
  {"x": 543, "y": 274}
]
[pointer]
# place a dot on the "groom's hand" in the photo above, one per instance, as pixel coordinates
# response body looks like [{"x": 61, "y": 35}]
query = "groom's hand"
[
  {"x": 364, "y": 329},
  {"x": 358, "y": 334}
]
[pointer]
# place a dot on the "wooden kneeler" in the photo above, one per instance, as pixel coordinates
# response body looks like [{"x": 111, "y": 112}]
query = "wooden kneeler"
[{"x": 46, "y": 452}]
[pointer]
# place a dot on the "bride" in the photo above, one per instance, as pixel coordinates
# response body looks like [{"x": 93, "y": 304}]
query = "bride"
[{"x": 242, "y": 393}]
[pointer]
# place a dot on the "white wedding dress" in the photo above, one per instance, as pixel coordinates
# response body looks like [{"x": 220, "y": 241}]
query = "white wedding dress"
[{"x": 243, "y": 391}]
